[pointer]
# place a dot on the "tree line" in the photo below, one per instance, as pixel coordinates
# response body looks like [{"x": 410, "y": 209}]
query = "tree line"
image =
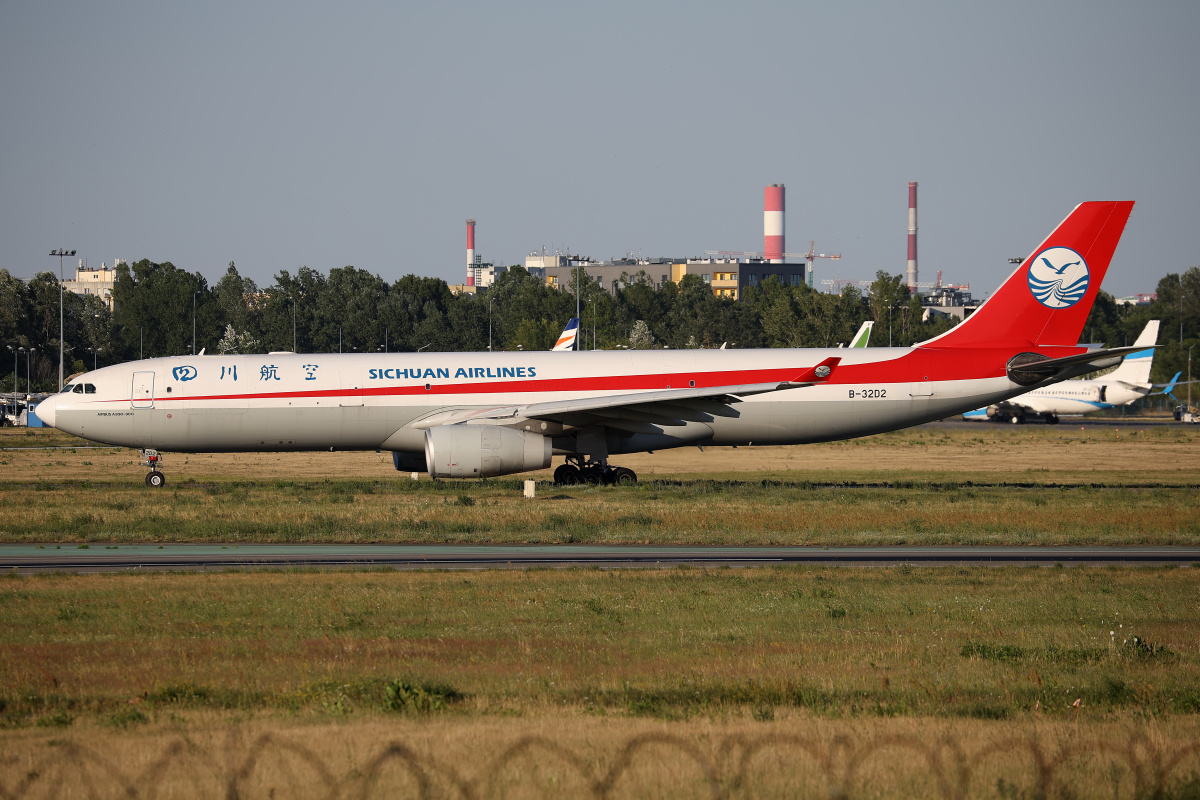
[{"x": 162, "y": 310}]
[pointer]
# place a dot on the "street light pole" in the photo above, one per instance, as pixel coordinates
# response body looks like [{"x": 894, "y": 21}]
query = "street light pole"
[
  {"x": 28, "y": 382},
  {"x": 60, "y": 252},
  {"x": 194, "y": 321},
  {"x": 14, "y": 352}
]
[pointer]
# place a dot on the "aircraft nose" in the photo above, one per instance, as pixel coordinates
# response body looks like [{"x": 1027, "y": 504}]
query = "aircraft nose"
[{"x": 45, "y": 410}]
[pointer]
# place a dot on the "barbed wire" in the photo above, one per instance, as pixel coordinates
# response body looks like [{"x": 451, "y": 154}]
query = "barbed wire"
[{"x": 726, "y": 768}]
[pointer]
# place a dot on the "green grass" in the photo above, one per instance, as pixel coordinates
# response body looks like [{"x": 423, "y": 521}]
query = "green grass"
[
  {"x": 654, "y": 512},
  {"x": 671, "y": 644}
]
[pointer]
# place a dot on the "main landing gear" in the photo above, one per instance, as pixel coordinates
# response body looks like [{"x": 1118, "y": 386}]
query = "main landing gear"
[
  {"x": 154, "y": 478},
  {"x": 578, "y": 470}
]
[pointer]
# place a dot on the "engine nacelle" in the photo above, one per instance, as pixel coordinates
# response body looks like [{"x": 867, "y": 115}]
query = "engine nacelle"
[{"x": 483, "y": 451}]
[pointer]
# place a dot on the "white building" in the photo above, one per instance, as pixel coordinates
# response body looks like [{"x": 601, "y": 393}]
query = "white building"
[{"x": 92, "y": 281}]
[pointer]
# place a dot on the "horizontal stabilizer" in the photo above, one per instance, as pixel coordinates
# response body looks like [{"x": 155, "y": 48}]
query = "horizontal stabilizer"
[{"x": 1028, "y": 369}]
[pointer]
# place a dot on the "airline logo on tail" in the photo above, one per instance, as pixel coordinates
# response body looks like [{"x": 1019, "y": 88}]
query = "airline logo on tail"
[
  {"x": 1058, "y": 277},
  {"x": 566, "y": 340}
]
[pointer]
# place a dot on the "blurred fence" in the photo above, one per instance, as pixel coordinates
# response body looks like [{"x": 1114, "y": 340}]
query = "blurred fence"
[{"x": 655, "y": 764}]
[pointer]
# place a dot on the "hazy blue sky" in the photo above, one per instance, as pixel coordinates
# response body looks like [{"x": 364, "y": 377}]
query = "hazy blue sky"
[{"x": 281, "y": 134}]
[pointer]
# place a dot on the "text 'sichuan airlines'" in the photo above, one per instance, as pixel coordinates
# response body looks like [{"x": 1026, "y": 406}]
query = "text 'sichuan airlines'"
[{"x": 462, "y": 415}]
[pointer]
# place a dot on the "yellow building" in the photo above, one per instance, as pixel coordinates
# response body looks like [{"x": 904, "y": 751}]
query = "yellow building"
[
  {"x": 92, "y": 281},
  {"x": 720, "y": 274}
]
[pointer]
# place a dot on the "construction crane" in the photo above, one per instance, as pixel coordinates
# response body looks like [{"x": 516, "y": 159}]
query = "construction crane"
[{"x": 812, "y": 253}]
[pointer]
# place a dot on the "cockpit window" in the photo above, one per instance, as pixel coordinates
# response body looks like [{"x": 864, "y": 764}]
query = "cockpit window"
[
  {"x": 78, "y": 388},
  {"x": 70, "y": 387},
  {"x": 89, "y": 388}
]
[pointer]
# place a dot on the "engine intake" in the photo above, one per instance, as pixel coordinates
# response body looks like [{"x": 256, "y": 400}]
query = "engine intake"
[{"x": 483, "y": 451}]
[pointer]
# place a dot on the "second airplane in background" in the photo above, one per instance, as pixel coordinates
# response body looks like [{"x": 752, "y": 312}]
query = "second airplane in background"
[{"x": 1124, "y": 385}]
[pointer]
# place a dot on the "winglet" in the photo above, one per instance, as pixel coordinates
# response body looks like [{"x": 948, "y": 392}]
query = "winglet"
[{"x": 818, "y": 374}]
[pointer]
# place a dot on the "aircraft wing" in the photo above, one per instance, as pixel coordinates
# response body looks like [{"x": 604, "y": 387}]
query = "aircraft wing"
[{"x": 635, "y": 412}]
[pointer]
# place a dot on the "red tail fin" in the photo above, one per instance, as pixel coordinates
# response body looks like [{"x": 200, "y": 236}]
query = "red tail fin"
[{"x": 1047, "y": 300}]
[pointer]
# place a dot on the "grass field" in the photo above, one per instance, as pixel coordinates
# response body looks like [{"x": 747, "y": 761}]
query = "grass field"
[
  {"x": 990, "y": 485},
  {"x": 1096, "y": 666},
  {"x": 674, "y": 683}
]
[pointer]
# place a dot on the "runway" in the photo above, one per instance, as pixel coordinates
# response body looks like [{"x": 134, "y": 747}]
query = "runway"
[{"x": 28, "y": 559}]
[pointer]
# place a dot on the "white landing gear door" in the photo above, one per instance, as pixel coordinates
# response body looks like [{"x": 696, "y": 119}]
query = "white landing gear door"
[{"x": 143, "y": 390}]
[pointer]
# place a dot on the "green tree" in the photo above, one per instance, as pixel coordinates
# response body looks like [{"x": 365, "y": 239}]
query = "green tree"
[
  {"x": 886, "y": 296},
  {"x": 156, "y": 305},
  {"x": 238, "y": 306}
]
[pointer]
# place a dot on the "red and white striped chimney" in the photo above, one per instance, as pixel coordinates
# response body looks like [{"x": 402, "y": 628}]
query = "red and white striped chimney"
[
  {"x": 912, "y": 236},
  {"x": 470, "y": 252},
  {"x": 773, "y": 223}
]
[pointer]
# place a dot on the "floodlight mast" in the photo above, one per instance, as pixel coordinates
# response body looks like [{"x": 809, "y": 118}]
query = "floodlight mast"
[{"x": 61, "y": 252}]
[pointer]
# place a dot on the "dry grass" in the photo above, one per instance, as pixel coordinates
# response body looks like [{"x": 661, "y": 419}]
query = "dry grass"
[
  {"x": 572, "y": 756},
  {"x": 979, "y": 452}
]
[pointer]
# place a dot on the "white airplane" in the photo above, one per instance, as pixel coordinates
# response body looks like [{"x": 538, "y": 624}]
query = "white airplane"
[
  {"x": 469, "y": 415},
  {"x": 566, "y": 339},
  {"x": 1122, "y": 386}
]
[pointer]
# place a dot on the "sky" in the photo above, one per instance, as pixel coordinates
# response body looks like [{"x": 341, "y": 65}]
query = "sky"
[{"x": 285, "y": 134}]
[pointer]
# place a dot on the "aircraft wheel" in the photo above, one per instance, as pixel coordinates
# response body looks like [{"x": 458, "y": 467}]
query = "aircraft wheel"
[
  {"x": 1015, "y": 419},
  {"x": 1051, "y": 419},
  {"x": 156, "y": 479},
  {"x": 623, "y": 476},
  {"x": 566, "y": 475},
  {"x": 591, "y": 475}
]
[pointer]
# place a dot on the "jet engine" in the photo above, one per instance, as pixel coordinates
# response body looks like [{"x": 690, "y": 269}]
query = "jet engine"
[{"x": 483, "y": 451}]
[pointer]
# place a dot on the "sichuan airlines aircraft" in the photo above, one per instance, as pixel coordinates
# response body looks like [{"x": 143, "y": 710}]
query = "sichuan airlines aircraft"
[
  {"x": 462, "y": 415},
  {"x": 1122, "y": 386}
]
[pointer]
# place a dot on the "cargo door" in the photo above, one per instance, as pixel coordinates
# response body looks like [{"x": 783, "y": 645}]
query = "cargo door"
[{"x": 143, "y": 390}]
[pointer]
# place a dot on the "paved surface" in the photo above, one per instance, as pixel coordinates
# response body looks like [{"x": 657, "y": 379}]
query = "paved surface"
[{"x": 109, "y": 558}]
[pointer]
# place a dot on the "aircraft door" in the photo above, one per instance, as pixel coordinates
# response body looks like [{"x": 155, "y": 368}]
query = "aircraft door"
[
  {"x": 350, "y": 381},
  {"x": 143, "y": 390},
  {"x": 1103, "y": 392}
]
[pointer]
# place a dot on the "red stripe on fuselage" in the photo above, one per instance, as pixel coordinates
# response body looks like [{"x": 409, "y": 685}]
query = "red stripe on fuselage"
[{"x": 920, "y": 364}]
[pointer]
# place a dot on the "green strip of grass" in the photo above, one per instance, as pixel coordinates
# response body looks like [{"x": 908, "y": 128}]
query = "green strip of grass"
[
  {"x": 692, "y": 512},
  {"x": 987, "y": 643}
]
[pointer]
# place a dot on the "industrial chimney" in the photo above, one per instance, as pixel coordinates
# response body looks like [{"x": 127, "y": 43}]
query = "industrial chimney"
[
  {"x": 773, "y": 223},
  {"x": 912, "y": 236},
  {"x": 470, "y": 252}
]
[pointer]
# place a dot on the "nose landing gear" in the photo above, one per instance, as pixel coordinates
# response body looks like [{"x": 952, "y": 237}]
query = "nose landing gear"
[{"x": 152, "y": 459}]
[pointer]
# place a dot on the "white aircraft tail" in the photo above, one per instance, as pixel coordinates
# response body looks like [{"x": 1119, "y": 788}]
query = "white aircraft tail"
[
  {"x": 864, "y": 333},
  {"x": 566, "y": 340},
  {"x": 1135, "y": 368}
]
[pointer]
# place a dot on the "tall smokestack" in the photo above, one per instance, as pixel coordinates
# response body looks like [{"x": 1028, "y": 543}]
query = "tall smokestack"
[
  {"x": 773, "y": 223},
  {"x": 912, "y": 236},
  {"x": 470, "y": 252}
]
